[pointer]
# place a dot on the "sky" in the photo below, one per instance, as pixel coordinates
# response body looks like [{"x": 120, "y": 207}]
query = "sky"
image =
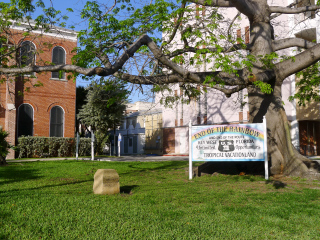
[{"x": 76, "y": 21}]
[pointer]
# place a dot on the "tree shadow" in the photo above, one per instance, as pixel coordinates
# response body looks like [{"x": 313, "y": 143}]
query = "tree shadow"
[
  {"x": 127, "y": 189},
  {"x": 230, "y": 168},
  {"x": 167, "y": 165},
  {"x": 15, "y": 173},
  {"x": 45, "y": 186},
  {"x": 6, "y": 217},
  {"x": 277, "y": 184}
]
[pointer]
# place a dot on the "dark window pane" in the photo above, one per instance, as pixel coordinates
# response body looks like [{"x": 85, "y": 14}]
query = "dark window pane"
[
  {"x": 25, "y": 120},
  {"x": 135, "y": 144},
  {"x": 27, "y": 52},
  {"x": 56, "y": 122},
  {"x": 125, "y": 144},
  {"x": 58, "y": 57}
]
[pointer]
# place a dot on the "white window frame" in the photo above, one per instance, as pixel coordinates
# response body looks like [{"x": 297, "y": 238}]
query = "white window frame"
[{"x": 65, "y": 60}]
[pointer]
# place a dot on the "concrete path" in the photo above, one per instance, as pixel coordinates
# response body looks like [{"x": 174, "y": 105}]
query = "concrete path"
[{"x": 132, "y": 158}]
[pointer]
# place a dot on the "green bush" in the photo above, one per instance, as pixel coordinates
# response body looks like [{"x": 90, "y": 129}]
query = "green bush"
[
  {"x": 85, "y": 147},
  {"x": 4, "y": 146},
  {"x": 52, "y": 147}
]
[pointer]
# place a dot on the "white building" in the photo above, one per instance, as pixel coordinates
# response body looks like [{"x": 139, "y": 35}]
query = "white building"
[{"x": 140, "y": 130}]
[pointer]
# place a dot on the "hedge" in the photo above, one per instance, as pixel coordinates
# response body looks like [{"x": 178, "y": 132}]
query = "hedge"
[{"x": 29, "y": 147}]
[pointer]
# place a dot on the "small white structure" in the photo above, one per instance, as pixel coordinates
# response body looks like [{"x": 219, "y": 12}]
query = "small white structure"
[{"x": 135, "y": 129}]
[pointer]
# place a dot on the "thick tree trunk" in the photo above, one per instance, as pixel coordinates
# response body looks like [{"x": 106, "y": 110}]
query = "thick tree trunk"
[{"x": 284, "y": 158}]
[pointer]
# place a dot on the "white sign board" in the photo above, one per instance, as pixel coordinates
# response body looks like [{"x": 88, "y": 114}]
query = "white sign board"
[{"x": 239, "y": 142}]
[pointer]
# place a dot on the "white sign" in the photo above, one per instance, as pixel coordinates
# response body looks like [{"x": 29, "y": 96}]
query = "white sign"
[
  {"x": 240, "y": 142},
  {"x": 227, "y": 142},
  {"x": 119, "y": 137}
]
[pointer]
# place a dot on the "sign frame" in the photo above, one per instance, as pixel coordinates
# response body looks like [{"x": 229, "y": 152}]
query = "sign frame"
[{"x": 262, "y": 144}]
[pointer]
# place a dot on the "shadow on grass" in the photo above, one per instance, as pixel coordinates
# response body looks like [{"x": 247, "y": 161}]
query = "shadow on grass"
[
  {"x": 5, "y": 217},
  {"x": 16, "y": 173},
  {"x": 276, "y": 184},
  {"x": 127, "y": 189},
  {"x": 238, "y": 178},
  {"x": 231, "y": 168},
  {"x": 167, "y": 165},
  {"x": 45, "y": 186}
]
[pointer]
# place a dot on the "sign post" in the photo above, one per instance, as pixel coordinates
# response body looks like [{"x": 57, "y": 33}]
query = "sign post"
[
  {"x": 190, "y": 152},
  {"x": 220, "y": 143},
  {"x": 77, "y": 145},
  {"x": 92, "y": 145},
  {"x": 266, "y": 167},
  {"x": 119, "y": 143}
]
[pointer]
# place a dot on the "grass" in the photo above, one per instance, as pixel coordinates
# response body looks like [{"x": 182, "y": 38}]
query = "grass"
[{"x": 54, "y": 200}]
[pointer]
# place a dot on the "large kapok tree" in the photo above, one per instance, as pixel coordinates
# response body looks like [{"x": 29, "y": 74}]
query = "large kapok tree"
[{"x": 123, "y": 40}]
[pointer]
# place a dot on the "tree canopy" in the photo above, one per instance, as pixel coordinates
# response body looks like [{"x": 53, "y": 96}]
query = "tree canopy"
[{"x": 105, "y": 105}]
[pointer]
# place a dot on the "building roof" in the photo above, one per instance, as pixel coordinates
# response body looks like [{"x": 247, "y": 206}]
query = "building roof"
[{"x": 55, "y": 31}]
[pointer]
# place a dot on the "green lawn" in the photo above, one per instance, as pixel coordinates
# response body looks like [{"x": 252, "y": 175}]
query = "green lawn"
[{"x": 54, "y": 200}]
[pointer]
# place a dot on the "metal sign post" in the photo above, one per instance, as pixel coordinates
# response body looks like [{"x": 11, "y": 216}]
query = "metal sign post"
[
  {"x": 266, "y": 167},
  {"x": 119, "y": 143},
  {"x": 190, "y": 151},
  {"x": 77, "y": 145},
  {"x": 92, "y": 145}
]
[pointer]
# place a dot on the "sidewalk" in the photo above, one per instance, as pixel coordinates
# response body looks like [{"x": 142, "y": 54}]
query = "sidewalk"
[{"x": 131, "y": 158}]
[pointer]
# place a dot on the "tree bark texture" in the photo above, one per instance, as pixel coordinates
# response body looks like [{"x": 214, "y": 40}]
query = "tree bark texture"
[{"x": 284, "y": 158}]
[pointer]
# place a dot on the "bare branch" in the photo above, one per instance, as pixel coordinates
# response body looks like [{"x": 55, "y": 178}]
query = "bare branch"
[
  {"x": 300, "y": 62},
  {"x": 228, "y": 91},
  {"x": 177, "y": 24},
  {"x": 279, "y": 14},
  {"x": 232, "y": 48},
  {"x": 214, "y": 3},
  {"x": 291, "y": 42},
  {"x": 232, "y": 22},
  {"x": 216, "y": 78},
  {"x": 287, "y": 10}
]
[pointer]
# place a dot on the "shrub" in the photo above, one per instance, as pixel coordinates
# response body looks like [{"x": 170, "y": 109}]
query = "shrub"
[
  {"x": 4, "y": 146},
  {"x": 52, "y": 147}
]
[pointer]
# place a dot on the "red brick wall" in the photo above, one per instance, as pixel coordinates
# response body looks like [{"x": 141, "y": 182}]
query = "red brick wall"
[{"x": 53, "y": 92}]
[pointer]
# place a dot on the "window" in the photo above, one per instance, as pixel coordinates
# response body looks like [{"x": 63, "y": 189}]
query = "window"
[
  {"x": 27, "y": 54},
  {"x": 56, "y": 122},
  {"x": 58, "y": 57},
  {"x": 25, "y": 120}
]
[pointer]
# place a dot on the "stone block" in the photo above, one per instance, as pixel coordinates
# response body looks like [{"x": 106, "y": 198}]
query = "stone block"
[{"x": 106, "y": 181}]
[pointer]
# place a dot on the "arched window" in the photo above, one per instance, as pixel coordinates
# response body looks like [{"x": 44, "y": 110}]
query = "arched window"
[
  {"x": 58, "y": 57},
  {"x": 56, "y": 122},
  {"x": 27, "y": 53},
  {"x": 25, "y": 120}
]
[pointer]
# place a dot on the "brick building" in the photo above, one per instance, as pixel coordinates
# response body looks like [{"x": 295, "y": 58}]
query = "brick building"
[{"x": 47, "y": 110}]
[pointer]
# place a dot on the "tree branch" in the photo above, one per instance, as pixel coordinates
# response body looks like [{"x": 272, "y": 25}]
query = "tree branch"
[
  {"x": 300, "y": 62},
  {"x": 214, "y": 3},
  {"x": 291, "y": 42},
  {"x": 232, "y": 48},
  {"x": 279, "y": 14},
  {"x": 177, "y": 24},
  {"x": 287, "y": 10},
  {"x": 216, "y": 78},
  {"x": 228, "y": 91}
]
